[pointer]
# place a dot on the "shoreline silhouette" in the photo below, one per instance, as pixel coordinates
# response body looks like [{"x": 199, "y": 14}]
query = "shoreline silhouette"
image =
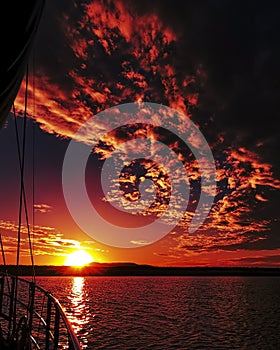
[{"x": 132, "y": 269}]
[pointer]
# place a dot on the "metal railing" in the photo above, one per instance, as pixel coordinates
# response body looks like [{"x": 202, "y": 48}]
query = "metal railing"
[{"x": 31, "y": 315}]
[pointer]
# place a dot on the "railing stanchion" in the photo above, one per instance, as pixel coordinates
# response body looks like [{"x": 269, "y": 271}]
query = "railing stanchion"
[
  {"x": 11, "y": 306},
  {"x": 48, "y": 323},
  {"x": 31, "y": 304},
  {"x": 1, "y": 292},
  {"x": 56, "y": 328}
]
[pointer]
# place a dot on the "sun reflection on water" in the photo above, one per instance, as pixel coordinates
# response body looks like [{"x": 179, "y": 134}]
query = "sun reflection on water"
[{"x": 80, "y": 316}]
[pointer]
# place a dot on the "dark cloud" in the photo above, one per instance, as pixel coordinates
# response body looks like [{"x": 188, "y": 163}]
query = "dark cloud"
[
  {"x": 236, "y": 44},
  {"x": 259, "y": 260},
  {"x": 52, "y": 54}
]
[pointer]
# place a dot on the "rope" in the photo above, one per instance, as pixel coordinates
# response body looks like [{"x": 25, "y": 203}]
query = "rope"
[
  {"x": 33, "y": 156},
  {"x": 3, "y": 253},
  {"x": 22, "y": 162},
  {"x": 23, "y": 192},
  {"x": 4, "y": 262},
  {"x": 22, "y": 199}
]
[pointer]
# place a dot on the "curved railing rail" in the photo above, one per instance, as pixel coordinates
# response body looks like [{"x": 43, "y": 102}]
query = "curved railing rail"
[{"x": 31, "y": 315}]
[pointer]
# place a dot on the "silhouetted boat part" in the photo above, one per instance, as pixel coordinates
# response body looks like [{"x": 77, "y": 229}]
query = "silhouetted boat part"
[
  {"x": 19, "y": 24},
  {"x": 40, "y": 322},
  {"x": 30, "y": 317}
]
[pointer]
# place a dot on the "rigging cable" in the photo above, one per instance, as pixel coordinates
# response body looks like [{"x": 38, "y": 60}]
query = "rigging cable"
[
  {"x": 33, "y": 158},
  {"x": 22, "y": 200},
  {"x": 5, "y": 264},
  {"x": 21, "y": 164},
  {"x": 22, "y": 191}
]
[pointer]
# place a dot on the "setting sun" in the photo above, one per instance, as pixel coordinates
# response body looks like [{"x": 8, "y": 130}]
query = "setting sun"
[{"x": 78, "y": 258}]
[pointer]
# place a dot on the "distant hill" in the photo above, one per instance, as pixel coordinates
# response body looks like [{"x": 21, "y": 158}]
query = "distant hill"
[{"x": 132, "y": 269}]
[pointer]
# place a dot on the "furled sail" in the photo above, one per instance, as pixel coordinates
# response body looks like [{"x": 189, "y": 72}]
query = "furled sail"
[{"x": 18, "y": 25}]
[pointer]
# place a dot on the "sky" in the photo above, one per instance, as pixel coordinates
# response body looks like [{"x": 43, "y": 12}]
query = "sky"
[{"x": 213, "y": 62}]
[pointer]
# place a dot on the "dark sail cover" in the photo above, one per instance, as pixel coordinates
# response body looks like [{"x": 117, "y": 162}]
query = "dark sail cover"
[{"x": 18, "y": 25}]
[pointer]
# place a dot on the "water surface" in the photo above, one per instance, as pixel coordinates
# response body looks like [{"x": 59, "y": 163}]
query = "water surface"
[{"x": 171, "y": 312}]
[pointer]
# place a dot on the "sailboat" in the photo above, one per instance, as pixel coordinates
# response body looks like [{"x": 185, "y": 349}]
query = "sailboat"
[{"x": 30, "y": 317}]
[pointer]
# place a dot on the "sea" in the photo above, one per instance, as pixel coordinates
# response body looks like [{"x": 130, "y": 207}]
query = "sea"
[{"x": 171, "y": 312}]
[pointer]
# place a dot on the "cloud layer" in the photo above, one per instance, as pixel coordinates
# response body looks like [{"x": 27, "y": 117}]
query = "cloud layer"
[{"x": 112, "y": 52}]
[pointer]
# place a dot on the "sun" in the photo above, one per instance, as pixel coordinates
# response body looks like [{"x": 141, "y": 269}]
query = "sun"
[{"x": 78, "y": 258}]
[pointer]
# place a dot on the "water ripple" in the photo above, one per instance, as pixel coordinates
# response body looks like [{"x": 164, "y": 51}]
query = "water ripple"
[{"x": 172, "y": 312}]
